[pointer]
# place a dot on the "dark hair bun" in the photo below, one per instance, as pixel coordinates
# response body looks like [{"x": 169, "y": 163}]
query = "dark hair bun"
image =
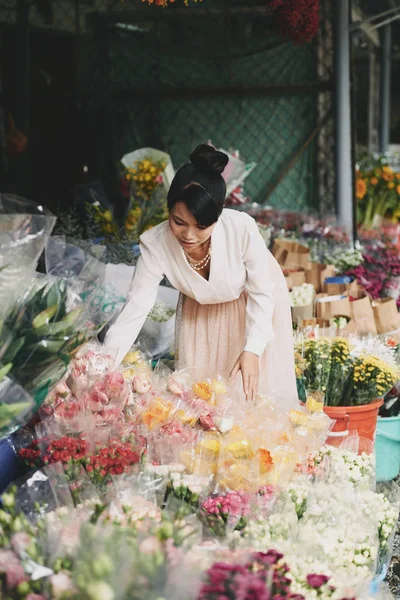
[{"x": 209, "y": 160}]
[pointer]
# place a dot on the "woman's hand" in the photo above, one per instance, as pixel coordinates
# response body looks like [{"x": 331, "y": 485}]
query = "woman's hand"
[{"x": 248, "y": 363}]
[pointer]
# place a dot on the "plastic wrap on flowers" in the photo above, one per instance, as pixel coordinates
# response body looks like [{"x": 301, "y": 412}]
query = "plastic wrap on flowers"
[
  {"x": 48, "y": 326},
  {"x": 16, "y": 406},
  {"x": 387, "y": 500},
  {"x": 42, "y": 492},
  {"x": 329, "y": 530},
  {"x": 25, "y": 230}
]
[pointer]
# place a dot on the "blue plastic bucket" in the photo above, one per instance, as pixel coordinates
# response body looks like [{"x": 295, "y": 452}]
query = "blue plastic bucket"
[{"x": 387, "y": 447}]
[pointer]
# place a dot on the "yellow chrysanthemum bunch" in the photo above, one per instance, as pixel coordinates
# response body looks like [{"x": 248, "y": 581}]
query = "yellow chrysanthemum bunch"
[
  {"x": 145, "y": 175},
  {"x": 372, "y": 378}
]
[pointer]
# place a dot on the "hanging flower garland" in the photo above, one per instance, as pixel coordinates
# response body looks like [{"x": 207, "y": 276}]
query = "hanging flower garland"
[{"x": 297, "y": 19}]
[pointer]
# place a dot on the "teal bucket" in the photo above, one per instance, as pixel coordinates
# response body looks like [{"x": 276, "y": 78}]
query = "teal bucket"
[{"x": 387, "y": 447}]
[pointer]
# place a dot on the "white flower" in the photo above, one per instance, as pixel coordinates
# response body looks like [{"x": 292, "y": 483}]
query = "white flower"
[
  {"x": 302, "y": 295},
  {"x": 161, "y": 313}
]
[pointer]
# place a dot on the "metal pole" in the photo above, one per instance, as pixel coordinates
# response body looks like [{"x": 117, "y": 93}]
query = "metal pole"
[
  {"x": 386, "y": 67},
  {"x": 344, "y": 176},
  {"x": 22, "y": 63}
]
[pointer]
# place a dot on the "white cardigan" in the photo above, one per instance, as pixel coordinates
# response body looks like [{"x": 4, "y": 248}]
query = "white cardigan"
[{"x": 240, "y": 261}]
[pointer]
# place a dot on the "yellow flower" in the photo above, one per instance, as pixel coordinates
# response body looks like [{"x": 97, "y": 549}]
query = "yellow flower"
[
  {"x": 107, "y": 216},
  {"x": 388, "y": 176},
  {"x": 361, "y": 188},
  {"x": 373, "y": 181},
  {"x": 314, "y": 406},
  {"x": 387, "y": 170},
  {"x": 391, "y": 185},
  {"x": 397, "y": 175},
  {"x": 398, "y": 189},
  {"x": 298, "y": 418}
]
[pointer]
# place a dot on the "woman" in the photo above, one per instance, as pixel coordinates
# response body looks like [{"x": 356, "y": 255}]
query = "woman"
[{"x": 234, "y": 312}]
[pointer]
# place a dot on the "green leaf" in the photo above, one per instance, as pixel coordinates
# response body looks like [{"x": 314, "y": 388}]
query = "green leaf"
[
  {"x": 4, "y": 370},
  {"x": 44, "y": 317},
  {"x": 61, "y": 326},
  {"x": 13, "y": 350}
]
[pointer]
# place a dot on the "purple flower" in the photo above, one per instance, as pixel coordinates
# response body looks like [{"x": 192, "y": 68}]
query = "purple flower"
[{"x": 317, "y": 581}]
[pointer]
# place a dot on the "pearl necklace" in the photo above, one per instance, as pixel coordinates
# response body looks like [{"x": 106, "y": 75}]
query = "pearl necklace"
[{"x": 201, "y": 264}]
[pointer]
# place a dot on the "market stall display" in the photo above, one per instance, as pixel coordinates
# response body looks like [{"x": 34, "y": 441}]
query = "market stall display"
[{"x": 148, "y": 483}]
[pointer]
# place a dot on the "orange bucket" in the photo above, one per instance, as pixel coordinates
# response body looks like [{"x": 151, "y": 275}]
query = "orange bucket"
[{"x": 348, "y": 419}]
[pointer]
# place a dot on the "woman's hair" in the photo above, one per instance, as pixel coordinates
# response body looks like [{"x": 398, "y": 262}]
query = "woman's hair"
[{"x": 200, "y": 185}]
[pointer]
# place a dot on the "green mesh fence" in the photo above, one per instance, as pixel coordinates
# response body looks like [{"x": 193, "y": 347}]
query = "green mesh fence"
[{"x": 175, "y": 83}]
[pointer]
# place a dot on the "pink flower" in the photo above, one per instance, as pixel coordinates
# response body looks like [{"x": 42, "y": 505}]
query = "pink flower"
[
  {"x": 140, "y": 385},
  {"x": 7, "y": 558},
  {"x": 150, "y": 545},
  {"x": 317, "y": 581},
  {"x": 20, "y": 541},
  {"x": 95, "y": 399},
  {"x": 15, "y": 575},
  {"x": 61, "y": 584}
]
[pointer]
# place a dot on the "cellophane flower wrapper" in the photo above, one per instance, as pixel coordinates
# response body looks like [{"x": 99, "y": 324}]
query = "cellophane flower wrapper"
[
  {"x": 155, "y": 410},
  {"x": 43, "y": 491},
  {"x": 329, "y": 531},
  {"x": 61, "y": 533},
  {"x": 225, "y": 512},
  {"x": 121, "y": 563},
  {"x": 353, "y": 461},
  {"x": 16, "y": 406},
  {"x": 143, "y": 492},
  {"x": 388, "y": 507},
  {"x": 23, "y": 236},
  {"x": 49, "y": 325}
]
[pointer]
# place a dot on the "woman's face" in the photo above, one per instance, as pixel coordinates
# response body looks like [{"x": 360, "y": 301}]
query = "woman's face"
[{"x": 185, "y": 228}]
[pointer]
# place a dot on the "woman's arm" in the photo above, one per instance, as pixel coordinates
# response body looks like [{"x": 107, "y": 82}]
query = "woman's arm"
[
  {"x": 259, "y": 311},
  {"x": 142, "y": 296},
  {"x": 260, "y": 289}
]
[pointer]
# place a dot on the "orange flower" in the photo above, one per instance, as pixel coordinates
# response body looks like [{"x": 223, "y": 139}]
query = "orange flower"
[
  {"x": 266, "y": 461},
  {"x": 373, "y": 181},
  {"x": 361, "y": 189},
  {"x": 398, "y": 189},
  {"x": 397, "y": 176}
]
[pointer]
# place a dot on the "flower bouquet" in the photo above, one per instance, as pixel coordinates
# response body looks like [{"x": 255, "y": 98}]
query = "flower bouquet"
[
  {"x": 378, "y": 194},
  {"x": 25, "y": 230},
  {"x": 347, "y": 373},
  {"x": 146, "y": 176}
]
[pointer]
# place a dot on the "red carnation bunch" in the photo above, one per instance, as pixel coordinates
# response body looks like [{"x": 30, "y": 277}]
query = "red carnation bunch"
[{"x": 298, "y": 19}]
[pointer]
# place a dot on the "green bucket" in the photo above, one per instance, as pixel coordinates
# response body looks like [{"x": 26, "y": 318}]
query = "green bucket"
[{"x": 387, "y": 447}]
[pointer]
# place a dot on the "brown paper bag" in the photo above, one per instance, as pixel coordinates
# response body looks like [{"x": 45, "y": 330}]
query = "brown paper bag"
[
  {"x": 299, "y": 313},
  {"x": 333, "y": 289},
  {"x": 317, "y": 273},
  {"x": 291, "y": 255},
  {"x": 363, "y": 315},
  {"x": 295, "y": 279},
  {"x": 314, "y": 323},
  {"x": 329, "y": 306},
  {"x": 350, "y": 327},
  {"x": 386, "y": 315}
]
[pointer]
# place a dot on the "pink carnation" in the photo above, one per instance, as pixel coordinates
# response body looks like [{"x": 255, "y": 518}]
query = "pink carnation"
[{"x": 317, "y": 581}]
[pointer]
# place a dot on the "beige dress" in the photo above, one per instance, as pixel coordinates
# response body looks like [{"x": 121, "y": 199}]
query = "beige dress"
[{"x": 244, "y": 305}]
